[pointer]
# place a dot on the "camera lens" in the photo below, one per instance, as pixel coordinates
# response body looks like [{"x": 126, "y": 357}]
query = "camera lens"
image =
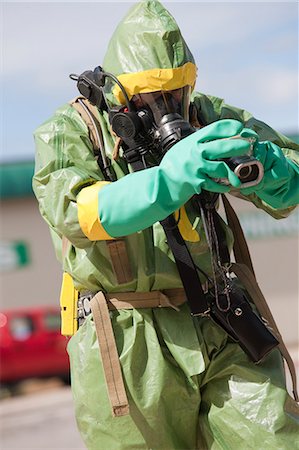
[
  {"x": 244, "y": 172},
  {"x": 249, "y": 170}
]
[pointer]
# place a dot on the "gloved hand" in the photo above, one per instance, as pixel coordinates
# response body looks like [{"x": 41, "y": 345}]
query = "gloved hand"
[
  {"x": 142, "y": 198},
  {"x": 279, "y": 185}
]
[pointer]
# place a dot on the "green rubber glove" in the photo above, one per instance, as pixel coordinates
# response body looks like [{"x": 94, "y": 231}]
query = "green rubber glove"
[
  {"x": 140, "y": 199},
  {"x": 279, "y": 186}
]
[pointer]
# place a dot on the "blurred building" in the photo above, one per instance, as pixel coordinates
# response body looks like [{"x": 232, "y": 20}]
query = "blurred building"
[{"x": 30, "y": 274}]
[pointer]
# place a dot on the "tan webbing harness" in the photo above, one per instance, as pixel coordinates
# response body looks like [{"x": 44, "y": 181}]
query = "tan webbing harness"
[
  {"x": 117, "y": 247},
  {"x": 101, "y": 303},
  {"x": 111, "y": 365}
]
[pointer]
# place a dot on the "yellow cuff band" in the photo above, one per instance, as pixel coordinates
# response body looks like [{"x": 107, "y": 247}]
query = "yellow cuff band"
[{"x": 88, "y": 213}]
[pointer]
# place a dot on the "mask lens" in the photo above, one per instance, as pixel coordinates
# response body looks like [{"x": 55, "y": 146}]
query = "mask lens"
[{"x": 165, "y": 102}]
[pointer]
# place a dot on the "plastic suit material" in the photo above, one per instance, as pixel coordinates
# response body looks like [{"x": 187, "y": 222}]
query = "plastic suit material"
[
  {"x": 189, "y": 385},
  {"x": 148, "y": 53},
  {"x": 192, "y": 389},
  {"x": 186, "y": 169}
]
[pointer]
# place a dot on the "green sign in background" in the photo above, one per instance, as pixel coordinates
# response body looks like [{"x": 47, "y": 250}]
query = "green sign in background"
[{"x": 13, "y": 255}]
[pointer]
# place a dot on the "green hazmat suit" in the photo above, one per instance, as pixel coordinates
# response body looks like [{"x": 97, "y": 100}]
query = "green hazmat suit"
[{"x": 189, "y": 385}]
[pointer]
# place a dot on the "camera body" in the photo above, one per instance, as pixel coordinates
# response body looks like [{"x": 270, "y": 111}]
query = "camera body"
[{"x": 248, "y": 169}]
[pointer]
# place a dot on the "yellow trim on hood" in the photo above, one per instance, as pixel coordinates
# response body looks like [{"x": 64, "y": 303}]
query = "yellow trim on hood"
[{"x": 156, "y": 80}]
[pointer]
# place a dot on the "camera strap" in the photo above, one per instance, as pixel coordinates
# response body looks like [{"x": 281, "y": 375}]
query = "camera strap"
[
  {"x": 240, "y": 247},
  {"x": 219, "y": 254},
  {"x": 187, "y": 270}
]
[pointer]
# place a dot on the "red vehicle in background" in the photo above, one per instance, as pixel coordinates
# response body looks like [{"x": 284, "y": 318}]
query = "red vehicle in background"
[{"x": 31, "y": 345}]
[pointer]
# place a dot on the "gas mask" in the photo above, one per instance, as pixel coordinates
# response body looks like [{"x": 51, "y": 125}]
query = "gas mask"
[
  {"x": 150, "y": 124},
  {"x": 157, "y": 122}
]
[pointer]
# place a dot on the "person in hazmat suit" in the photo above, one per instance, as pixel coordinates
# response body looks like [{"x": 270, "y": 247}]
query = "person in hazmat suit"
[{"x": 147, "y": 374}]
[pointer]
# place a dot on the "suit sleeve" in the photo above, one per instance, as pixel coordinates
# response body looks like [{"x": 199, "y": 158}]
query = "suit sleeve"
[{"x": 65, "y": 171}]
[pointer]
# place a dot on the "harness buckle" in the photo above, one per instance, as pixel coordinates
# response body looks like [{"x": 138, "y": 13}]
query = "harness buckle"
[{"x": 83, "y": 307}]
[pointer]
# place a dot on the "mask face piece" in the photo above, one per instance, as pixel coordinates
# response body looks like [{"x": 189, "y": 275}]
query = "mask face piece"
[
  {"x": 152, "y": 124},
  {"x": 161, "y": 103}
]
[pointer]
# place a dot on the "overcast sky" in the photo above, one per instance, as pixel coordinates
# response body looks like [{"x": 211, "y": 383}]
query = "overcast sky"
[{"x": 246, "y": 52}]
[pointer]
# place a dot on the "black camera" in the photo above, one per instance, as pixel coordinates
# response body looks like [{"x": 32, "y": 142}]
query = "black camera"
[{"x": 249, "y": 170}]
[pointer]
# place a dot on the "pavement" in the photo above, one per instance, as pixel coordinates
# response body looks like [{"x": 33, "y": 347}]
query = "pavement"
[{"x": 41, "y": 420}]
